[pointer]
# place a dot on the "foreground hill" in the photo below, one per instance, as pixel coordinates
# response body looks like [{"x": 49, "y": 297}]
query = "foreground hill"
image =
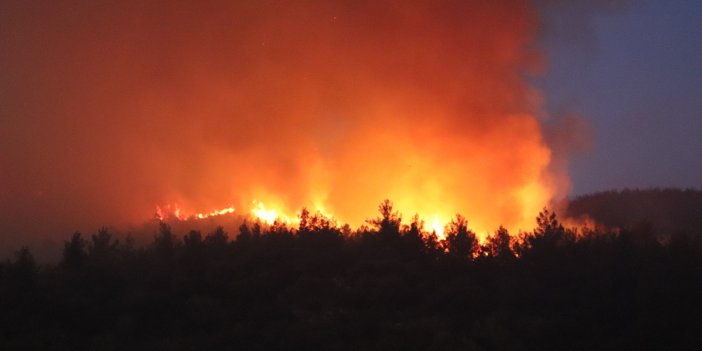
[{"x": 667, "y": 211}]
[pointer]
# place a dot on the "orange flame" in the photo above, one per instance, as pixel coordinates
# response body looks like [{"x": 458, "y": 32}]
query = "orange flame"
[
  {"x": 438, "y": 227},
  {"x": 174, "y": 211},
  {"x": 269, "y": 215}
]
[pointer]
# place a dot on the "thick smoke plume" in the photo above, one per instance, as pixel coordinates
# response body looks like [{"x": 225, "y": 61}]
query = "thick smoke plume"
[{"x": 111, "y": 108}]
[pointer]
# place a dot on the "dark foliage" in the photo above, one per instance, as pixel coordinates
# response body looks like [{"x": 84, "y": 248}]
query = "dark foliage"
[{"x": 384, "y": 287}]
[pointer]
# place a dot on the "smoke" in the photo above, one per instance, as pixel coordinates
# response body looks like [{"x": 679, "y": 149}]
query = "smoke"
[
  {"x": 570, "y": 23},
  {"x": 111, "y": 108}
]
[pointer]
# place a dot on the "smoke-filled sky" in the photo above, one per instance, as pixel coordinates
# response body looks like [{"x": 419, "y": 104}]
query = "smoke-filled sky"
[{"x": 109, "y": 109}]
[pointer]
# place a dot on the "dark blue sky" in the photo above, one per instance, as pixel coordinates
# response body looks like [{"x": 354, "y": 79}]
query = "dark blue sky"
[{"x": 635, "y": 76}]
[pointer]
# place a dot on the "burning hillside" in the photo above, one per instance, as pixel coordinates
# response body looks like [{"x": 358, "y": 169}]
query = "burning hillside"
[
  {"x": 331, "y": 106},
  {"x": 336, "y": 107}
]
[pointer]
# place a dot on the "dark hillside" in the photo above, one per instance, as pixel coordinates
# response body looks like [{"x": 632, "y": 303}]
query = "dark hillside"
[{"x": 668, "y": 211}]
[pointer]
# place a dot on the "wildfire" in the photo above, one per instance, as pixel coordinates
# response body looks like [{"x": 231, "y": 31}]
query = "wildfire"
[
  {"x": 173, "y": 210},
  {"x": 258, "y": 211},
  {"x": 268, "y": 215},
  {"x": 419, "y": 104}
]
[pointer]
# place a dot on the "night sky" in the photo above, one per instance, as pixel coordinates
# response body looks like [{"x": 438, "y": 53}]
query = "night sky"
[{"x": 634, "y": 74}]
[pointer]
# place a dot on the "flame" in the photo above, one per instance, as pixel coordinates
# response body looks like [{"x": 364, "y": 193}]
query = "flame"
[
  {"x": 258, "y": 211},
  {"x": 220, "y": 212},
  {"x": 438, "y": 227},
  {"x": 267, "y": 215},
  {"x": 270, "y": 215},
  {"x": 174, "y": 211}
]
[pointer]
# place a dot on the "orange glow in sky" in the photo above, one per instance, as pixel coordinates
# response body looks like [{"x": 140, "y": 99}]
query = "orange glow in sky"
[{"x": 240, "y": 107}]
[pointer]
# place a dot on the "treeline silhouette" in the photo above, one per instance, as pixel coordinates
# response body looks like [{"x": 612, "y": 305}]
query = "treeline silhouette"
[{"x": 385, "y": 286}]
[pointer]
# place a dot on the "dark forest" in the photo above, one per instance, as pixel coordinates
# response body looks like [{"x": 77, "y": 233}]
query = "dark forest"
[{"x": 632, "y": 284}]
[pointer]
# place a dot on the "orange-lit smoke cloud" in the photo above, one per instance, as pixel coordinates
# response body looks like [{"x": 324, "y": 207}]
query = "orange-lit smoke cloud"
[{"x": 111, "y": 108}]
